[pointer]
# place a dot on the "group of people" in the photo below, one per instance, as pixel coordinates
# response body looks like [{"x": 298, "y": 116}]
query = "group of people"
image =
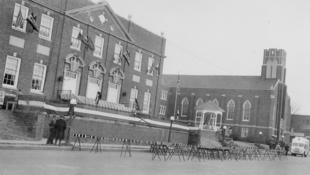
[{"x": 57, "y": 128}]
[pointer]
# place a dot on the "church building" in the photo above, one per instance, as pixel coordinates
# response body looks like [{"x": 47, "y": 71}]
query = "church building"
[{"x": 253, "y": 108}]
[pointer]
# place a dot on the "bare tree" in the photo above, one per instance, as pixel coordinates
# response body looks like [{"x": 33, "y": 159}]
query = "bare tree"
[{"x": 294, "y": 108}]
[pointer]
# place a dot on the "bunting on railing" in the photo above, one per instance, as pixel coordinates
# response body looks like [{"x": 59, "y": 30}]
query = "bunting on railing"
[{"x": 86, "y": 40}]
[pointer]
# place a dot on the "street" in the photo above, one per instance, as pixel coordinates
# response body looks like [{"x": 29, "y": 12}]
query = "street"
[{"x": 33, "y": 162}]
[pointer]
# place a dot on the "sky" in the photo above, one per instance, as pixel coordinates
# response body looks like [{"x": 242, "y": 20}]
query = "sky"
[{"x": 227, "y": 37}]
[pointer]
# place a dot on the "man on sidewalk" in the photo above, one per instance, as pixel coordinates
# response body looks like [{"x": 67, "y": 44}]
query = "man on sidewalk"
[{"x": 60, "y": 128}]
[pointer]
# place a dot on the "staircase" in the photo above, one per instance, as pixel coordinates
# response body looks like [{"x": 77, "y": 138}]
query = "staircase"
[{"x": 11, "y": 128}]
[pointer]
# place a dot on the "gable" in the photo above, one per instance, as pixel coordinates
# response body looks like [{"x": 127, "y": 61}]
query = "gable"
[{"x": 101, "y": 16}]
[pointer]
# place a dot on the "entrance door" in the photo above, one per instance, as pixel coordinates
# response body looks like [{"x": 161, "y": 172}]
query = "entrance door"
[
  {"x": 93, "y": 87},
  {"x": 71, "y": 82},
  {"x": 113, "y": 92}
]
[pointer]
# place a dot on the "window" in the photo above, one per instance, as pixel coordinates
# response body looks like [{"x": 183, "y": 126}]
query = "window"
[
  {"x": 38, "y": 77},
  {"x": 19, "y": 17},
  {"x": 230, "y": 109},
  {"x": 11, "y": 72},
  {"x": 99, "y": 42},
  {"x": 117, "y": 50},
  {"x": 138, "y": 61},
  {"x": 246, "y": 111},
  {"x": 199, "y": 101},
  {"x": 150, "y": 66},
  {"x": 46, "y": 27},
  {"x": 184, "y": 107},
  {"x": 146, "y": 102},
  {"x": 133, "y": 96},
  {"x": 244, "y": 132},
  {"x": 216, "y": 102},
  {"x": 162, "y": 110},
  {"x": 113, "y": 92},
  {"x": 164, "y": 95},
  {"x": 75, "y": 42}
]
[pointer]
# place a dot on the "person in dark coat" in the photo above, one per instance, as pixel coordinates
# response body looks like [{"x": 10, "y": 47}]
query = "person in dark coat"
[
  {"x": 98, "y": 97},
  {"x": 287, "y": 148},
  {"x": 60, "y": 128},
  {"x": 52, "y": 131}
]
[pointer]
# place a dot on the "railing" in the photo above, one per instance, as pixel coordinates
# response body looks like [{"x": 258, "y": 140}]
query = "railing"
[{"x": 67, "y": 95}]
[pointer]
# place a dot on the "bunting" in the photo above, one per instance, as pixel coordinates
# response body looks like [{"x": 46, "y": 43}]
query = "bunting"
[
  {"x": 86, "y": 41},
  {"x": 19, "y": 23}
]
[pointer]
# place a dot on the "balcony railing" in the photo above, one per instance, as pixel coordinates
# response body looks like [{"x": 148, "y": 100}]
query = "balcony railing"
[{"x": 67, "y": 95}]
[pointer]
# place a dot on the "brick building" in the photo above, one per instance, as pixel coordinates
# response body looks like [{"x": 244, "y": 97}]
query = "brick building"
[
  {"x": 300, "y": 125},
  {"x": 64, "y": 49},
  {"x": 256, "y": 108}
]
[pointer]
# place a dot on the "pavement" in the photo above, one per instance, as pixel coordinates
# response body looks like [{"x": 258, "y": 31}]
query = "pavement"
[{"x": 41, "y": 145}]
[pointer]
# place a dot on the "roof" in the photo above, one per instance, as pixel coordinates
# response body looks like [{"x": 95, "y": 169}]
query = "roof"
[
  {"x": 209, "y": 106},
  {"x": 218, "y": 82}
]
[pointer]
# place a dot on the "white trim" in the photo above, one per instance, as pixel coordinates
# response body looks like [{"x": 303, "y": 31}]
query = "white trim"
[
  {"x": 98, "y": 39},
  {"x": 48, "y": 38},
  {"x": 17, "y": 72},
  {"x": 79, "y": 42},
  {"x": 249, "y": 126},
  {"x": 39, "y": 91},
  {"x": 24, "y": 17}
]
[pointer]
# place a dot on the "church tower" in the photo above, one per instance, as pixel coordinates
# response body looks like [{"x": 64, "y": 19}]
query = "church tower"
[{"x": 274, "y": 64}]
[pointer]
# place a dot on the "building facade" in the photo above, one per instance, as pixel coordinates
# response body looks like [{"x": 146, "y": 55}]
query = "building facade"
[
  {"x": 300, "y": 125},
  {"x": 256, "y": 108},
  {"x": 63, "y": 49}
]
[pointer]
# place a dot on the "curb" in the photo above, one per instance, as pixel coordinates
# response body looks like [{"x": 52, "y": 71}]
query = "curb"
[{"x": 110, "y": 148}]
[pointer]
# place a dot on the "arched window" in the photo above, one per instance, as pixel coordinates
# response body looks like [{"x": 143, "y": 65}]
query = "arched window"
[
  {"x": 184, "y": 107},
  {"x": 230, "y": 109},
  {"x": 216, "y": 102},
  {"x": 199, "y": 101},
  {"x": 246, "y": 110}
]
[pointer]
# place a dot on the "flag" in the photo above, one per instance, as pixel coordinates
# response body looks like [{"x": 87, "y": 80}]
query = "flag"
[
  {"x": 86, "y": 41},
  {"x": 125, "y": 55},
  {"x": 90, "y": 44},
  {"x": 19, "y": 19},
  {"x": 31, "y": 23}
]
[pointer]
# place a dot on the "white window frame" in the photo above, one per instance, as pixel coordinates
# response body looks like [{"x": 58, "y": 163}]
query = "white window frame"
[
  {"x": 133, "y": 96},
  {"x": 244, "y": 132},
  {"x": 162, "y": 110},
  {"x": 117, "y": 50},
  {"x": 16, "y": 74},
  {"x": 199, "y": 100},
  {"x": 138, "y": 61},
  {"x": 75, "y": 38},
  {"x": 24, "y": 15},
  {"x": 99, "y": 43},
  {"x": 150, "y": 70},
  {"x": 146, "y": 102},
  {"x": 164, "y": 95},
  {"x": 244, "y": 112},
  {"x": 48, "y": 28},
  {"x": 182, "y": 106},
  {"x": 40, "y": 91},
  {"x": 230, "y": 102}
]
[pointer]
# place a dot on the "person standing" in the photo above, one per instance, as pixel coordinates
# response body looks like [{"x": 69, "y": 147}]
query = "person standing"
[
  {"x": 60, "y": 127},
  {"x": 98, "y": 97},
  {"x": 52, "y": 131}
]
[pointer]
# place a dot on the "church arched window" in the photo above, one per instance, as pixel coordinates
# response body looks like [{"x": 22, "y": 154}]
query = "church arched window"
[
  {"x": 246, "y": 111},
  {"x": 216, "y": 102},
  {"x": 230, "y": 109},
  {"x": 199, "y": 101},
  {"x": 184, "y": 107}
]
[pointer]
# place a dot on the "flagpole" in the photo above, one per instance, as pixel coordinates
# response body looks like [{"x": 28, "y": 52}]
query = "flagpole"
[{"x": 176, "y": 95}]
